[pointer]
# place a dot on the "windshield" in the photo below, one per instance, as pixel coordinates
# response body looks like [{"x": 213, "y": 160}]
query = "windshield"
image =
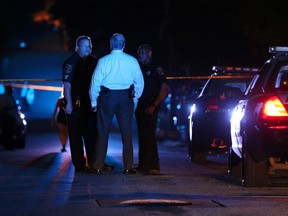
[{"x": 217, "y": 86}]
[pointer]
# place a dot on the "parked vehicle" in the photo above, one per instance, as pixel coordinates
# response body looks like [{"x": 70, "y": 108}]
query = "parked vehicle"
[
  {"x": 12, "y": 122},
  {"x": 259, "y": 123},
  {"x": 209, "y": 119}
]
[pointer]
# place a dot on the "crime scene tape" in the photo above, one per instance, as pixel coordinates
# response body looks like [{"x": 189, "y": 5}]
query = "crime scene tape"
[{"x": 16, "y": 83}]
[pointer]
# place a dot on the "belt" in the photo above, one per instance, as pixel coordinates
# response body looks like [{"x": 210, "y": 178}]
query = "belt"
[
  {"x": 118, "y": 89},
  {"x": 130, "y": 90},
  {"x": 105, "y": 89}
]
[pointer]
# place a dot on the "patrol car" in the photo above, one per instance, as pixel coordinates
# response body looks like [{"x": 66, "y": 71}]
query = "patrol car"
[
  {"x": 259, "y": 123},
  {"x": 209, "y": 119}
]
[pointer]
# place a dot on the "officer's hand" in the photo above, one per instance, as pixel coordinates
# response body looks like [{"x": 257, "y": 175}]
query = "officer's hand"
[
  {"x": 150, "y": 110},
  {"x": 94, "y": 109},
  {"x": 69, "y": 109}
]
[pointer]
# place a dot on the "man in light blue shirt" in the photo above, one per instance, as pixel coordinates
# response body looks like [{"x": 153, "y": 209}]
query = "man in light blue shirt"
[{"x": 116, "y": 85}]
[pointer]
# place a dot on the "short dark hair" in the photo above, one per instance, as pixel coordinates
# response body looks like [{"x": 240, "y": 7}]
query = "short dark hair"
[
  {"x": 144, "y": 46},
  {"x": 117, "y": 41},
  {"x": 81, "y": 38}
]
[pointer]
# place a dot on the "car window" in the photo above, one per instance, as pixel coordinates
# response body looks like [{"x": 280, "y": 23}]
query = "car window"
[
  {"x": 252, "y": 84},
  {"x": 261, "y": 79},
  {"x": 282, "y": 79},
  {"x": 218, "y": 86},
  {"x": 277, "y": 79},
  {"x": 240, "y": 85}
]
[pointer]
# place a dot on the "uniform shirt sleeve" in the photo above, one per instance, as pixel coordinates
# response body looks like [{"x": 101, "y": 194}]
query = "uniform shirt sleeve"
[
  {"x": 69, "y": 66},
  {"x": 95, "y": 85},
  {"x": 67, "y": 72},
  {"x": 161, "y": 75},
  {"x": 138, "y": 82}
]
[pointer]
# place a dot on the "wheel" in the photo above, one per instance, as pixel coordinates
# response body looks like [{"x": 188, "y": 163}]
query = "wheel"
[
  {"x": 198, "y": 145},
  {"x": 254, "y": 173}
]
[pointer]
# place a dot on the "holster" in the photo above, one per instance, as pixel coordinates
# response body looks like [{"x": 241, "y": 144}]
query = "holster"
[
  {"x": 131, "y": 91},
  {"x": 104, "y": 90},
  {"x": 78, "y": 102}
]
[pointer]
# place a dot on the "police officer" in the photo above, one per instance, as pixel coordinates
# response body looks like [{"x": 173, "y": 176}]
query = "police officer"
[
  {"x": 81, "y": 120},
  {"x": 155, "y": 90},
  {"x": 116, "y": 84}
]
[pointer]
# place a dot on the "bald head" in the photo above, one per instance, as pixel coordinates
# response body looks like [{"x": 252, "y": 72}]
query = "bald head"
[{"x": 117, "y": 42}]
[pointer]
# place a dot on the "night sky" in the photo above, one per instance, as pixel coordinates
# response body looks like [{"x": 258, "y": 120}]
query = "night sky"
[{"x": 188, "y": 36}]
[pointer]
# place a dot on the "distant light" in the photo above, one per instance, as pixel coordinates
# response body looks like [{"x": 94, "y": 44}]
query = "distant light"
[
  {"x": 175, "y": 119},
  {"x": 178, "y": 106},
  {"x": 22, "y": 116},
  {"x": 22, "y": 44},
  {"x": 30, "y": 96},
  {"x": 2, "y": 88}
]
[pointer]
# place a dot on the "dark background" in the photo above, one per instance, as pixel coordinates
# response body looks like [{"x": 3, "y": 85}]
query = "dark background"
[{"x": 188, "y": 36}]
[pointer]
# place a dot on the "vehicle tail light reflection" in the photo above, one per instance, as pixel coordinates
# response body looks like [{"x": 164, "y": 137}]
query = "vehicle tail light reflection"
[{"x": 212, "y": 104}]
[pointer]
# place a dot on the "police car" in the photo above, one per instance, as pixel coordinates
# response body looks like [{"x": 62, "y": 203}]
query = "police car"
[
  {"x": 209, "y": 119},
  {"x": 259, "y": 123}
]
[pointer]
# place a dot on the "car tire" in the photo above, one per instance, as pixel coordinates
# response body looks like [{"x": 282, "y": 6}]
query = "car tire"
[
  {"x": 254, "y": 174},
  {"x": 197, "y": 146}
]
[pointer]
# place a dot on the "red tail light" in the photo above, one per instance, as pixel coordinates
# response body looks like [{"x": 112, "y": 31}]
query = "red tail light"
[
  {"x": 212, "y": 104},
  {"x": 273, "y": 107}
]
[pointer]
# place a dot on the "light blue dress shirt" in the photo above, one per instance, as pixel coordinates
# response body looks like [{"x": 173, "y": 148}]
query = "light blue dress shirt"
[{"x": 116, "y": 71}]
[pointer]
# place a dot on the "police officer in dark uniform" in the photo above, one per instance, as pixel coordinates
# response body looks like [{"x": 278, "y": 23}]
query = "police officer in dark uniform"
[
  {"x": 155, "y": 91},
  {"x": 81, "y": 120}
]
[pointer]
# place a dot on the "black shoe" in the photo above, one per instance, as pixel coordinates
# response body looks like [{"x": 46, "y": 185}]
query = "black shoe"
[
  {"x": 138, "y": 169},
  {"x": 95, "y": 171},
  {"x": 108, "y": 168},
  {"x": 63, "y": 149},
  {"x": 129, "y": 171}
]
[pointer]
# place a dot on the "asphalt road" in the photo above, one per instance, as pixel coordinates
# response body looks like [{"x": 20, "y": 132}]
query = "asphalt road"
[{"x": 40, "y": 180}]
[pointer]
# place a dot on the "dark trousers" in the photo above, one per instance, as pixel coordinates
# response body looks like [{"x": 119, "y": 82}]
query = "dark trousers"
[
  {"x": 110, "y": 103},
  {"x": 81, "y": 129},
  {"x": 148, "y": 149}
]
